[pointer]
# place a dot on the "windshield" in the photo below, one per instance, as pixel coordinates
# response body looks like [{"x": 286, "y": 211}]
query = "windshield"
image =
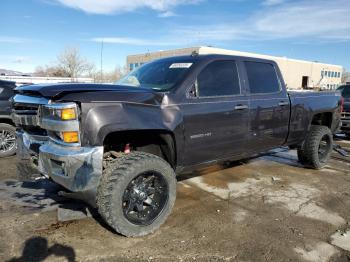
[{"x": 158, "y": 75}]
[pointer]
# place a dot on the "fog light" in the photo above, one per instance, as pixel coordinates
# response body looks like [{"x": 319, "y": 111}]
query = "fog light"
[
  {"x": 68, "y": 114},
  {"x": 70, "y": 137}
]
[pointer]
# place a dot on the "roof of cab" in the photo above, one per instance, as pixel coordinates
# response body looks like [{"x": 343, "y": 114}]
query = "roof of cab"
[{"x": 198, "y": 57}]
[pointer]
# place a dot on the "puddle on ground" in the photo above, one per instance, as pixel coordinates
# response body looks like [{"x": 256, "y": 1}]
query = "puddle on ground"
[{"x": 38, "y": 195}]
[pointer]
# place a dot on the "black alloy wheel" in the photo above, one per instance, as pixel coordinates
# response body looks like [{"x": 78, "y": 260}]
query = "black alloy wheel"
[
  {"x": 145, "y": 198},
  {"x": 136, "y": 193},
  {"x": 317, "y": 147}
]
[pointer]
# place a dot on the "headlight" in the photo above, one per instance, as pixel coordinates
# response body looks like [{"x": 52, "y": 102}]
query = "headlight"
[
  {"x": 61, "y": 120},
  {"x": 68, "y": 114},
  {"x": 60, "y": 113}
]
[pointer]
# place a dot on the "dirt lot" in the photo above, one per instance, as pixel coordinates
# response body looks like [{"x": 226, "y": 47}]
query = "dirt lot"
[{"x": 264, "y": 209}]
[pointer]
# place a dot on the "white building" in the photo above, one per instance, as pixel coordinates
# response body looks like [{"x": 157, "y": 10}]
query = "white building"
[{"x": 27, "y": 80}]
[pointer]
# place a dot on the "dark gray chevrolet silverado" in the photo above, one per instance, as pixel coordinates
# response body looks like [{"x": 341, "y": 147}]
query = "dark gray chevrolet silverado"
[{"x": 119, "y": 147}]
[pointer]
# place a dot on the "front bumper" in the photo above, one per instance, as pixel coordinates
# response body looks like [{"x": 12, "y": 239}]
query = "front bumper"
[{"x": 78, "y": 169}]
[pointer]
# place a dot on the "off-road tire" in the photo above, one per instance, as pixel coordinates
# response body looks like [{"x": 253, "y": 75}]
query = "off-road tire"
[
  {"x": 308, "y": 152},
  {"x": 116, "y": 177},
  {"x": 301, "y": 154},
  {"x": 11, "y": 129}
]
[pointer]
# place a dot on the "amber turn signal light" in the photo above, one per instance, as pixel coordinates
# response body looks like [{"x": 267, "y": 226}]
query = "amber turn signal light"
[
  {"x": 68, "y": 114},
  {"x": 70, "y": 137}
]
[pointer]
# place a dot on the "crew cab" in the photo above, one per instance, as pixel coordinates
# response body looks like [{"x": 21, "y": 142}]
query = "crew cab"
[
  {"x": 120, "y": 147},
  {"x": 7, "y": 128},
  {"x": 345, "y": 120}
]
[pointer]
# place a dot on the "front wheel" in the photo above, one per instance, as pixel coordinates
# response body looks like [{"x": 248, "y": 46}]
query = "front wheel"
[
  {"x": 317, "y": 147},
  {"x": 136, "y": 193}
]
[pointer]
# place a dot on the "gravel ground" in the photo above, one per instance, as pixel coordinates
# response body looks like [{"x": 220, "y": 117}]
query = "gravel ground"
[{"x": 264, "y": 209}]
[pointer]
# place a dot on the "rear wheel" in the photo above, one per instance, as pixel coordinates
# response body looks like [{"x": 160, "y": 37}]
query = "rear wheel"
[
  {"x": 301, "y": 154},
  {"x": 136, "y": 193},
  {"x": 317, "y": 147},
  {"x": 8, "y": 143}
]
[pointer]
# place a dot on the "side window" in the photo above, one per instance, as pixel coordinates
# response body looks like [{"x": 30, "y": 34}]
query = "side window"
[
  {"x": 4, "y": 93},
  {"x": 262, "y": 78},
  {"x": 219, "y": 78}
]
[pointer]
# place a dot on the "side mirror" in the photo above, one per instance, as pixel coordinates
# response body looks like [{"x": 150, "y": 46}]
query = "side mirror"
[{"x": 194, "y": 91}]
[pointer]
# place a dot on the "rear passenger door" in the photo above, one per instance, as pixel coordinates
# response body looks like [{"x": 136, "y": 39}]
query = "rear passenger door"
[
  {"x": 216, "y": 115},
  {"x": 269, "y": 106}
]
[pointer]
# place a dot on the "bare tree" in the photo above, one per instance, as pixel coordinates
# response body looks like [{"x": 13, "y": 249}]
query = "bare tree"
[
  {"x": 50, "y": 71},
  {"x": 69, "y": 64},
  {"x": 73, "y": 64},
  {"x": 108, "y": 77},
  {"x": 345, "y": 77}
]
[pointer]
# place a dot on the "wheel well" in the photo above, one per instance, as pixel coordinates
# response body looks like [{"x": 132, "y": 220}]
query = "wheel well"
[
  {"x": 157, "y": 142},
  {"x": 323, "y": 119},
  {"x": 6, "y": 121}
]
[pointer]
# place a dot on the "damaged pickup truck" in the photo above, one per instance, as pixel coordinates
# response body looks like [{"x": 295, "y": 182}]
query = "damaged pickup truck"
[{"x": 119, "y": 147}]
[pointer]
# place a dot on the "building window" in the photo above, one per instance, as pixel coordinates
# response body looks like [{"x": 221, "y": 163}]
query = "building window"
[
  {"x": 338, "y": 74},
  {"x": 326, "y": 73},
  {"x": 322, "y": 73}
]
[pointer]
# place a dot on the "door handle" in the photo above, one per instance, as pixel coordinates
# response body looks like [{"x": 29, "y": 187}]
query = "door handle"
[
  {"x": 241, "y": 107},
  {"x": 282, "y": 103}
]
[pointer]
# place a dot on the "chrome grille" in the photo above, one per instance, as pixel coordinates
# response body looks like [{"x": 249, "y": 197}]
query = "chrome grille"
[
  {"x": 25, "y": 110},
  {"x": 345, "y": 115}
]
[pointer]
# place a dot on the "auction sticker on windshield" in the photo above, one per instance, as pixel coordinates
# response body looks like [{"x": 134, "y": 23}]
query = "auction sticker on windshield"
[{"x": 181, "y": 65}]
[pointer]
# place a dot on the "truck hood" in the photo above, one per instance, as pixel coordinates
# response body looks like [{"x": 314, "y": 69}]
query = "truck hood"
[{"x": 58, "y": 90}]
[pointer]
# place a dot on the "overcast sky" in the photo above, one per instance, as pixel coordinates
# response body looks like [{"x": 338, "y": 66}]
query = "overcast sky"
[{"x": 33, "y": 32}]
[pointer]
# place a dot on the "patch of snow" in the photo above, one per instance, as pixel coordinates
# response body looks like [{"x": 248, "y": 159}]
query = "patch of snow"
[
  {"x": 299, "y": 199},
  {"x": 341, "y": 239},
  {"x": 321, "y": 252}
]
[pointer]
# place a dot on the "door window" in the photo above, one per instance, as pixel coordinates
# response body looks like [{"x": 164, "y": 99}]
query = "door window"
[
  {"x": 262, "y": 78},
  {"x": 219, "y": 78}
]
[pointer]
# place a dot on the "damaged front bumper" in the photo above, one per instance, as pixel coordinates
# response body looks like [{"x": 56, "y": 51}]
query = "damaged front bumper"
[{"x": 78, "y": 169}]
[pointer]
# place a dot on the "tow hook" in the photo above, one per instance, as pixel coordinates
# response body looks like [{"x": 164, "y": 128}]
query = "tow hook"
[{"x": 340, "y": 150}]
